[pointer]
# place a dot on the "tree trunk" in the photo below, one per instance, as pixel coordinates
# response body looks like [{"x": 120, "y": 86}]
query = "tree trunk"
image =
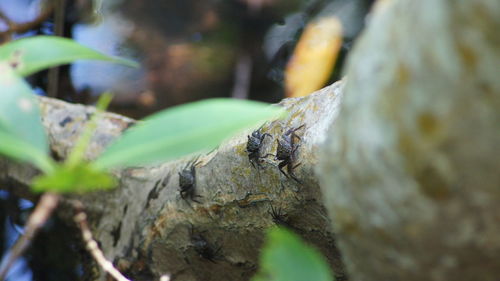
[
  {"x": 411, "y": 169},
  {"x": 148, "y": 230}
]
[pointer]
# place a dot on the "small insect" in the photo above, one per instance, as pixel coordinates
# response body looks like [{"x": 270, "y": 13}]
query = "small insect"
[
  {"x": 187, "y": 181},
  {"x": 254, "y": 145},
  {"x": 279, "y": 218},
  {"x": 203, "y": 248},
  {"x": 287, "y": 147}
]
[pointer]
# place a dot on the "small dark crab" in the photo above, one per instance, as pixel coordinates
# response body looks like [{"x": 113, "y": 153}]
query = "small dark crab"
[
  {"x": 287, "y": 147},
  {"x": 254, "y": 145},
  {"x": 187, "y": 181},
  {"x": 279, "y": 218},
  {"x": 203, "y": 248}
]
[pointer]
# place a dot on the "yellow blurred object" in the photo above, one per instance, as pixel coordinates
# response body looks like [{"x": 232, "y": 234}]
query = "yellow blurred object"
[{"x": 314, "y": 57}]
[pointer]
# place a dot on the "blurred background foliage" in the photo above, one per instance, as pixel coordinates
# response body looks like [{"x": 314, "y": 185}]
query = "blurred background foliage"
[{"x": 189, "y": 50}]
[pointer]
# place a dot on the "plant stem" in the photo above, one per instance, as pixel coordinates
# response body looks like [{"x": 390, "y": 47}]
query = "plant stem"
[
  {"x": 45, "y": 207},
  {"x": 92, "y": 246}
]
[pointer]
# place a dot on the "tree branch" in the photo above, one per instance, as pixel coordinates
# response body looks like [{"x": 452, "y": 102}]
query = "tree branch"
[
  {"x": 13, "y": 27},
  {"x": 144, "y": 226}
]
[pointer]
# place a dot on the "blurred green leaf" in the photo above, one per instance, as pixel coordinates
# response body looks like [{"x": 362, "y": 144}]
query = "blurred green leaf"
[
  {"x": 286, "y": 258},
  {"x": 20, "y": 120},
  {"x": 78, "y": 179},
  {"x": 16, "y": 148},
  {"x": 183, "y": 130},
  {"x": 32, "y": 54}
]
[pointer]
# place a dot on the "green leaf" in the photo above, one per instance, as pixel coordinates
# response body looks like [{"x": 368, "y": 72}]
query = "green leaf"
[
  {"x": 18, "y": 149},
  {"x": 183, "y": 130},
  {"x": 77, "y": 179},
  {"x": 286, "y": 258},
  {"x": 20, "y": 120},
  {"x": 32, "y": 54}
]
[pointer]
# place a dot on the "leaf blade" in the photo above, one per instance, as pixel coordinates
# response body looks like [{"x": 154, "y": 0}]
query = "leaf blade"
[
  {"x": 80, "y": 178},
  {"x": 32, "y": 54},
  {"x": 19, "y": 111},
  {"x": 286, "y": 258},
  {"x": 19, "y": 150},
  {"x": 183, "y": 130}
]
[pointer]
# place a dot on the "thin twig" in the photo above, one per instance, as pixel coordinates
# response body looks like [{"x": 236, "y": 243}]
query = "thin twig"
[
  {"x": 24, "y": 27},
  {"x": 81, "y": 220},
  {"x": 6, "y": 19},
  {"x": 6, "y": 35},
  {"x": 48, "y": 202},
  {"x": 242, "y": 77},
  {"x": 53, "y": 82}
]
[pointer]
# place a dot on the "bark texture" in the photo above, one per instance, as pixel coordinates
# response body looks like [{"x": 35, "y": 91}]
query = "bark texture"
[
  {"x": 411, "y": 169},
  {"x": 148, "y": 230}
]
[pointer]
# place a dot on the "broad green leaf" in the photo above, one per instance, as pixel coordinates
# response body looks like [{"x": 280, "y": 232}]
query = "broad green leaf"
[
  {"x": 20, "y": 113},
  {"x": 286, "y": 258},
  {"x": 77, "y": 179},
  {"x": 183, "y": 130},
  {"x": 32, "y": 54},
  {"x": 18, "y": 149}
]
